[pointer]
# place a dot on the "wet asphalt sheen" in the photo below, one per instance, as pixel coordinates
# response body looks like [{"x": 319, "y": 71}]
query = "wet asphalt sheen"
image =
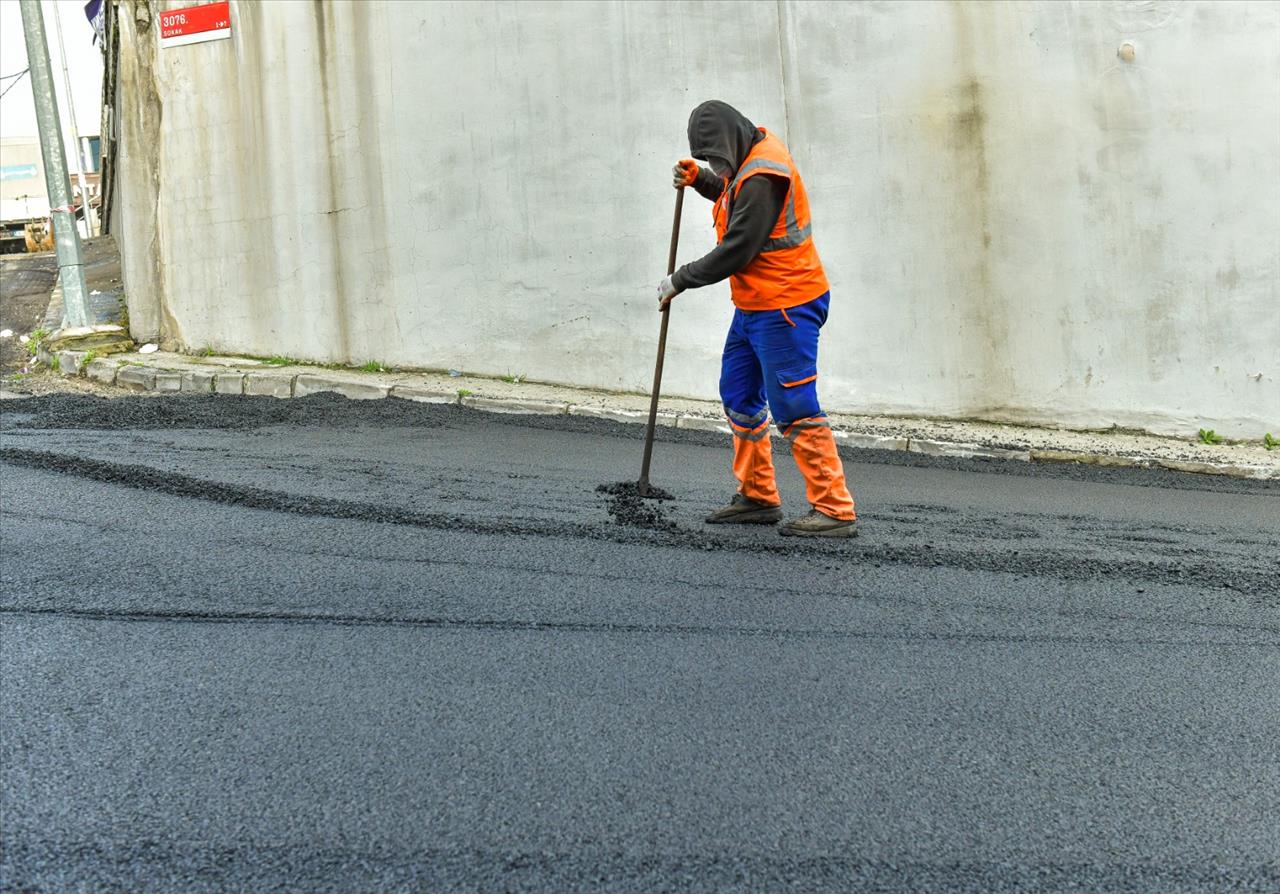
[{"x": 249, "y": 644}]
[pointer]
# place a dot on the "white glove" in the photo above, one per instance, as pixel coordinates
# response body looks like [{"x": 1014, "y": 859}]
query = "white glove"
[{"x": 666, "y": 291}]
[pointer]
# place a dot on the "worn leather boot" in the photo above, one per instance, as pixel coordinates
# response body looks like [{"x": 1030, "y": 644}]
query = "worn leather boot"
[
  {"x": 816, "y": 524},
  {"x": 745, "y": 511}
]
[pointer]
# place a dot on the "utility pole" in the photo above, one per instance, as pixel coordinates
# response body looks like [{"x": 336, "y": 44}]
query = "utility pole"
[
  {"x": 75, "y": 128},
  {"x": 75, "y": 301}
]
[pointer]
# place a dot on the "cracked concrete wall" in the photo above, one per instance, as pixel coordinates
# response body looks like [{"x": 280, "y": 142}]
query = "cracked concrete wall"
[{"x": 1018, "y": 224}]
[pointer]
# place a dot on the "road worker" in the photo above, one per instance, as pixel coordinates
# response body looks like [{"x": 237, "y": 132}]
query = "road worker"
[{"x": 780, "y": 295}]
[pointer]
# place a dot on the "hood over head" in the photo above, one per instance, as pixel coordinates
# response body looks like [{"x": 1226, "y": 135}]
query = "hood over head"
[{"x": 718, "y": 129}]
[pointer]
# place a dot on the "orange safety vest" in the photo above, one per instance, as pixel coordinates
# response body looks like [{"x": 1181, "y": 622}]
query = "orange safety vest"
[{"x": 787, "y": 271}]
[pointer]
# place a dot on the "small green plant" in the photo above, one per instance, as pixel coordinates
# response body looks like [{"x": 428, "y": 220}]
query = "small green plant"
[
  {"x": 465, "y": 392},
  {"x": 89, "y": 357},
  {"x": 279, "y": 360},
  {"x": 513, "y": 380},
  {"x": 55, "y": 364},
  {"x": 206, "y": 351},
  {"x": 36, "y": 338},
  {"x": 1270, "y": 442},
  {"x": 373, "y": 366},
  {"x": 1209, "y": 436}
]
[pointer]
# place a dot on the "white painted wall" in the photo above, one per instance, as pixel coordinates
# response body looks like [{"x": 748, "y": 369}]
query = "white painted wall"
[{"x": 1016, "y": 223}]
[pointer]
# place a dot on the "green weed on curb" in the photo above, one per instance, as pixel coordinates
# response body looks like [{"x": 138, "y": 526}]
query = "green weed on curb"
[
  {"x": 36, "y": 338},
  {"x": 1209, "y": 436}
]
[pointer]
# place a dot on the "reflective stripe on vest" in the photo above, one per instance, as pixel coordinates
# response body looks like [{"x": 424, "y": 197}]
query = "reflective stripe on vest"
[
  {"x": 796, "y": 235},
  {"x": 756, "y": 165}
]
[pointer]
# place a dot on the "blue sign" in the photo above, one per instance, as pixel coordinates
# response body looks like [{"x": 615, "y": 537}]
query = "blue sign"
[{"x": 19, "y": 172}]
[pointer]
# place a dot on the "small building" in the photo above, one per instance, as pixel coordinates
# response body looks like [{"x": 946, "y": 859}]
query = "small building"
[{"x": 24, "y": 197}]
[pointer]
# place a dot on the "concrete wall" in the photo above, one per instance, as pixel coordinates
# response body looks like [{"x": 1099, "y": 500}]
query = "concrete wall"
[{"x": 1017, "y": 223}]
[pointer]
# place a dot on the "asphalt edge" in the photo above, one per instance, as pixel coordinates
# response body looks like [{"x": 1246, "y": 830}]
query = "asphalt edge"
[{"x": 273, "y": 382}]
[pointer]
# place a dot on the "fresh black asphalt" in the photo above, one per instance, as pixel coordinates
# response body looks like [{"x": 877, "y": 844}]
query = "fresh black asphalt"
[{"x": 319, "y": 644}]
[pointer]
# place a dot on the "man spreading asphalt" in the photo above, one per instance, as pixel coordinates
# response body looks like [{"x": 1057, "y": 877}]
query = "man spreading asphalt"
[{"x": 780, "y": 294}]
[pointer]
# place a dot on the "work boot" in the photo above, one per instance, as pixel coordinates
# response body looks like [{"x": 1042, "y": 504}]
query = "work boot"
[
  {"x": 745, "y": 511},
  {"x": 817, "y": 524}
]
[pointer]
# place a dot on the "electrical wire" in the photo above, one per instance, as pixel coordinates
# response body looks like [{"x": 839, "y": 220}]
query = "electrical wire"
[
  {"x": 16, "y": 74},
  {"x": 18, "y": 80}
]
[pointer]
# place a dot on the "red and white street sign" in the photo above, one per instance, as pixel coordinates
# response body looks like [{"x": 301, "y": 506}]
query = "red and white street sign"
[{"x": 194, "y": 24}]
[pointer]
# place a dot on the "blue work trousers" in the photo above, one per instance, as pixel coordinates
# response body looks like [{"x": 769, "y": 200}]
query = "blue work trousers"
[{"x": 771, "y": 364}]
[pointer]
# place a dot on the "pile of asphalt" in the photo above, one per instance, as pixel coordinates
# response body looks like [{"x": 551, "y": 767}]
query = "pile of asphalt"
[{"x": 630, "y": 505}]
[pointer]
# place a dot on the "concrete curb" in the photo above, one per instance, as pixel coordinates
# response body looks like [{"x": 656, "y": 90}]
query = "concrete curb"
[
  {"x": 640, "y": 417},
  {"x": 352, "y": 388},
  {"x": 219, "y": 377},
  {"x": 519, "y": 407},
  {"x": 965, "y": 451}
]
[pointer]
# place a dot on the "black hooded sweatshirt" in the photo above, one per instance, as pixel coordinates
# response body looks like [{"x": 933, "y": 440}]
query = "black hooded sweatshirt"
[{"x": 718, "y": 130}]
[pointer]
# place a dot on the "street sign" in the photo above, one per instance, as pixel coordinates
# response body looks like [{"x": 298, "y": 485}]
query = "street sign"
[
  {"x": 19, "y": 172},
  {"x": 195, "y": 24}
]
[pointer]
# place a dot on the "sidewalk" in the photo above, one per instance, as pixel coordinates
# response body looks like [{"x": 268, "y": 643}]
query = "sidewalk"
[{"x": 165, "y": 373}]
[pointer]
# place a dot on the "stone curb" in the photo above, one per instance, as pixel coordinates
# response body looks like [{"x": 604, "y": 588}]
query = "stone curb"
[
  {"x": 259, "y": 380},
  {"x": 197, "y": 382},
  {"x": 870, "y": 442},
  {"x": 268, "y": 384},
  {"x": 521, "y": 407},
  {"x": 1092, "y": 459},
  {"x": 103, "y": 371},
  {"x": 352, "y": 389},
  {"x": 228, "y": 383},
  {"x": 168, "y": 380},
  {"x": 423, "y": 395},
  {"x": 702, "y": 423},
  {"x": 965, "y": 451},
  {"x": 136, "y": 378},
  {"x": 640, "y": 417}
]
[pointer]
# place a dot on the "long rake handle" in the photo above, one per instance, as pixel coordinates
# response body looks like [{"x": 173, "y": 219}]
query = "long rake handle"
[{"x": 662, "y": 348}]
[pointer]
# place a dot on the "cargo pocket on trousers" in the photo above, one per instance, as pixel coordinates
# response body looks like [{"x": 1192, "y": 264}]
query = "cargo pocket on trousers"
[{"x": 795, "y": 376}]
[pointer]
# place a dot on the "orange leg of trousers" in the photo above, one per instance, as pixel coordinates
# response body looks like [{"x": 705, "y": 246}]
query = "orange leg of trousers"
[
  {"x": 753, "y": 464},
  {"x": 814, "y": 448}
]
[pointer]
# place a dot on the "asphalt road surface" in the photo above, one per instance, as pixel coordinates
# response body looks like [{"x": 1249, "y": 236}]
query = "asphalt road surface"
[{"x": 326, "y": 645}]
